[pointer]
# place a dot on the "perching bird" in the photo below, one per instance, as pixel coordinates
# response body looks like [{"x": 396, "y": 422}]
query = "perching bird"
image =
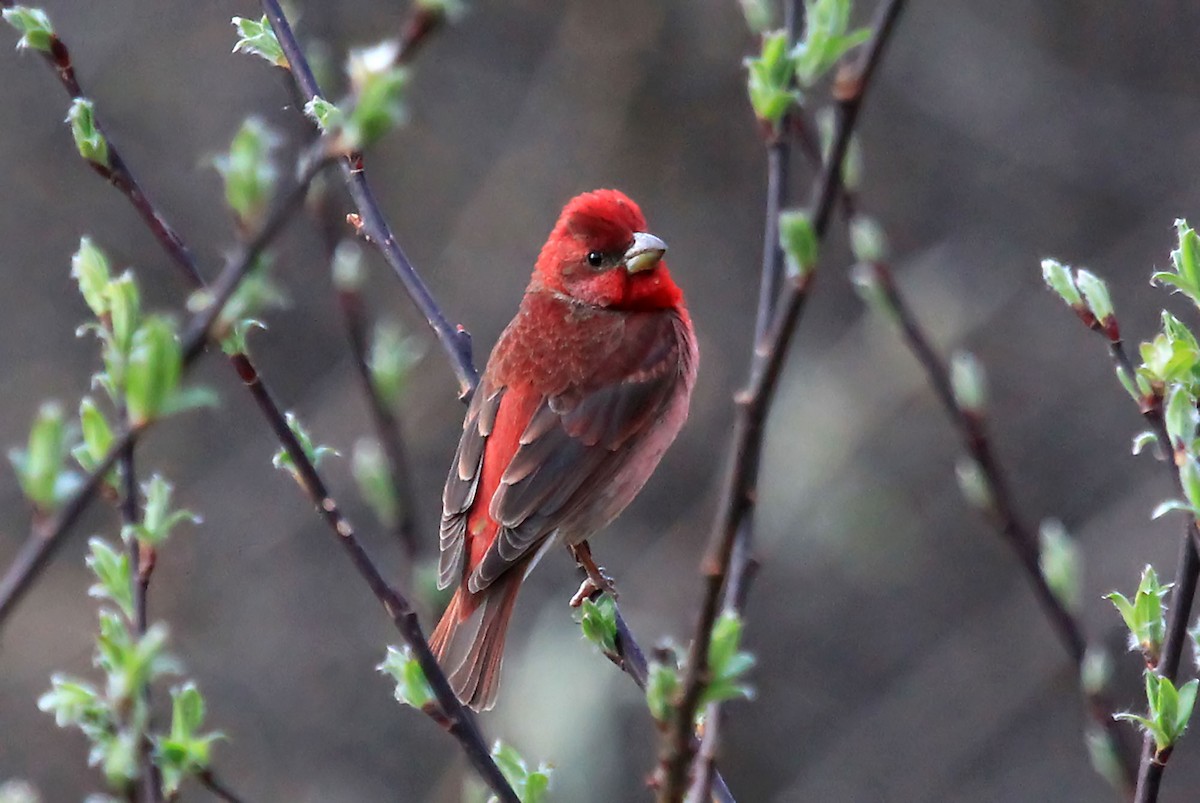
[{"x": 583, "y": 393}]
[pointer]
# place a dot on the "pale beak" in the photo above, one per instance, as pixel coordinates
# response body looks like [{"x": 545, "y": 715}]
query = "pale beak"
[{"x": 645, "y": 252}]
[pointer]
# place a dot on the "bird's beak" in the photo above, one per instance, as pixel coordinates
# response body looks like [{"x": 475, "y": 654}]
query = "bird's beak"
[{"x": 645, "y": 252}]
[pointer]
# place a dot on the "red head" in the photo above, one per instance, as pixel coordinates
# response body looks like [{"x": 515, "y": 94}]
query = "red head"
[{"x": 600, "y": 253}]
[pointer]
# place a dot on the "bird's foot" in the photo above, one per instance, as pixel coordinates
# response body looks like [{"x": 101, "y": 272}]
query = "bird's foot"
[{"x": 597, "y": 581}]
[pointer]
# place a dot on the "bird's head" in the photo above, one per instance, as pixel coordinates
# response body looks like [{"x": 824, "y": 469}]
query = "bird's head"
[{"x": 601, "y": 254}]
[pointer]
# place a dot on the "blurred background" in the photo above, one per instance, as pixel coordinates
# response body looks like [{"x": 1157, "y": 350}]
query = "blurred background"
[{"x": 902, "y": 657}]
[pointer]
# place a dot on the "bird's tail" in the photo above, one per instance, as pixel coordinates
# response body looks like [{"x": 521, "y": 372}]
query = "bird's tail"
[{"x": 476, "y": 677}]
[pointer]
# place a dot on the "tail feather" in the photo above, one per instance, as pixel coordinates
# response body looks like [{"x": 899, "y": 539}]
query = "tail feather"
[
  {"x": 476, "y": 678},
  {"x": 447, "y": 626}
]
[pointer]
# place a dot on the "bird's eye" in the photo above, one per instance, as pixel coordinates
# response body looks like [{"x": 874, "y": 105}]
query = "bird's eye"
[{"x": 594, "y": 258}]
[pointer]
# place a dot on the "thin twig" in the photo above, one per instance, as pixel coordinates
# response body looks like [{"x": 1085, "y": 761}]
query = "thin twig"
[
  {"x": 387, "y": 425},
  {"x": 753, "y": 403},
  {"x": 455, "y": 341},
  {"x": 139, "y": 577},
  {"x": 209, "y": 780},
  {"x": 422, "y": 21},
  {"x": 1020, "y": 537},
  {"x": 37, "y": 550},
  {"x": 452, "y": 715},
  {"x": 741, "y": 561},
  {"x": 1183, "y": 592},
  {"x": 48, "y": 535}
]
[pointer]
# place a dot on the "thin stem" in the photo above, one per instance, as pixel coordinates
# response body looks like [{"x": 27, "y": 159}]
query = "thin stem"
[
  {"x": 1183, "y": 593},
  {"x": 457, "y": 345},
  {"x": 1020, "y": 537},
  {"x": 387, "y": 425},
  {"x": 151, "y": 791},
  {"x": 753, "y": 403},
  {"x": 209, "y": 780},
  {"x": 37, "y": 550},
  {"x": 48, "y": 535},
  {"x": 455, "y": 341}
]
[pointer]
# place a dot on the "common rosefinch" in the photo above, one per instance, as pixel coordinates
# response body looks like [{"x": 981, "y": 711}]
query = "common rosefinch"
[{"x": 586, "y": 388}]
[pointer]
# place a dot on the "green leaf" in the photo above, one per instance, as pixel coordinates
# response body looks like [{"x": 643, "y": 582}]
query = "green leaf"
[
  {"x": 90, "y": 270},
  {"x": 1058, "y": 278},
  {"x": 1186, "y": 261},
  {"x": 1143, "y": 440},
  {"x": 1095, "y": 671},
  {"x": 974, "y": 484},
  {"x": 112, "y": 570},
  {"x": 125, "y": 310},
  {"x": 726, "y": 662},
  {"x": 1061, "y": 564},
  {"x": 1181, "y": 417},
  {"x": 97, "y": 436},
  {"x": 869, "y": 288},
  {"x": 155, "y": 367},
  {"x": 40, "y": 469},
  {"x": 257, "y": 38},
  {"x": 969, "y": 382},
  {"x": 392, "y": 358},
  {"x": 530, "y": 785},
  {"x": 374, "y": 479},
  {"x": 1095, "y": 293},
  {"x": 1172, "y": 506},
  {"x": 1189, "y": 477},
  {"x": 315, "y": 454},
  {"x": 74, "y": 702},
  {"x": 187, "y": 710},
  {"x": 759, "y": 15},
  {"x": 868, "y": 241},
  {"x": 1105, "y": 757},
  {"x": 255, "y": 295},
  {"x": 412, "y": 687},
  {"x": 34, "y": 26},
  {"x": 89, "y": 140},
  {"x": 1144, "y": 615},
  {"x": 662, "y": 690},
  {"x": 248, "y": 171},
  {"x": 1185, "y": 702},
  {"x": 1170, "y": 709},
  {"x": 325, "y": 114},
  {"x": 827, "y": 37},
  {"x": 598, "y": 621},
  {"x": 347, "y": 267},
  {"x": 798, "y": 239},
  {"x": 158, "y": 519},
  {"x": 770, "y": 79},
  {"x": 379, "y": 88}
]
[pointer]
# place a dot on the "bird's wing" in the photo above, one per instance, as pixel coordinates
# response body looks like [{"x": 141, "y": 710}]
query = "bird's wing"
[{"x": 566, "y": 442}]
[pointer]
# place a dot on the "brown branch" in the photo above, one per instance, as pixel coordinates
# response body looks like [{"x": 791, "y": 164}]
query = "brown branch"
[
  {"x": 212, "y": 783},
  {"x": 1183, "y": 593},
  {"x": 139, "y": 575},
  {"x": 455, "y": 341},
  {"x": 49, "y": 534},
  {"x": 1020, "y": 537},
  {"x": 454, "y": 717},
  {"x": 387, "y": 426},
  {"x": 753, "y": 403},
  {"x": 40, "y": 546},
  {"x": 415, "y": 31},
  {"x": 741, "y": 561}
]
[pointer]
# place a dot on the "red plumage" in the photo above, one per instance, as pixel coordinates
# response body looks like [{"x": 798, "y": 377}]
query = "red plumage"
[{"x": 586, "y": 388}]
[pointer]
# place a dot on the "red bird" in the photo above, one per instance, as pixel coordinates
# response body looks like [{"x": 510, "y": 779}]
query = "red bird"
[{"x": 585, "y": 390}]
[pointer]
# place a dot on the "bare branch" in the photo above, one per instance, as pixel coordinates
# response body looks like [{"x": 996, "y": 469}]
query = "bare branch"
[
  {"x": 455, "y": 341},
  {"x": 1020, "y": 537},
  {"x": 753, "y": 403},
  {"x": 48, "y": 535}
]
